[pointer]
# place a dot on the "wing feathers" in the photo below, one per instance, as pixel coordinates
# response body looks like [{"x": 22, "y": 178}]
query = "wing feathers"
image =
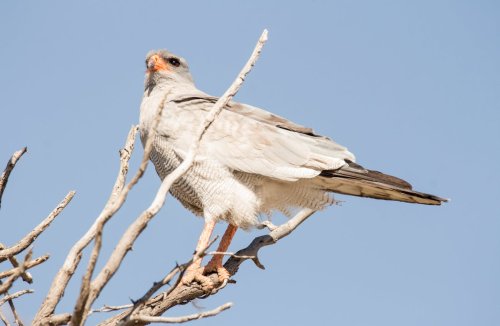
[
  {"x": 353, "y": 179},
  {"x": 248, "y": 139}
]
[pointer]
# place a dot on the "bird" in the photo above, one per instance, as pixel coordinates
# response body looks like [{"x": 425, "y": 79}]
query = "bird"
[{"x": 250, "y": 163}]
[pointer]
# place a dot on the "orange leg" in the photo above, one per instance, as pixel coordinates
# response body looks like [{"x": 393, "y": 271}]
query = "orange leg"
[
  {"x": 215, "y": 263},
  {"x": 194, "y": 271}
]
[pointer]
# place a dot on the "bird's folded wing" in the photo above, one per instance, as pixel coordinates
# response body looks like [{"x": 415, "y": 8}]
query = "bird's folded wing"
[{"x": 249, "y": 139}]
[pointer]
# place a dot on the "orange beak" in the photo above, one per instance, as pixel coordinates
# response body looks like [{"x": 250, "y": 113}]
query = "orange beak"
[{"x": 156, "y": 63}]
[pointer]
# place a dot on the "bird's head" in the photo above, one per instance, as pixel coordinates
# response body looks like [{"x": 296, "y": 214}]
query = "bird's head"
[{"x": 162, "y": 64}]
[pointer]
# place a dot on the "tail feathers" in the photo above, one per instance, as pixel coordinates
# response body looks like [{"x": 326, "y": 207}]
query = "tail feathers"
[{"x": 353, "y": 179}]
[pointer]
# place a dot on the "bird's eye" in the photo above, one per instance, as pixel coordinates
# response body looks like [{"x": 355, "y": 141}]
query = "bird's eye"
[{"x": 174, "y": 62}]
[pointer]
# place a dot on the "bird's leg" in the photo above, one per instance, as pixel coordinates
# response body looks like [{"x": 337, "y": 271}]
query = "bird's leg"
[
  {"x": 215, "y": 264},
  {"x": 195, "y": 271}
]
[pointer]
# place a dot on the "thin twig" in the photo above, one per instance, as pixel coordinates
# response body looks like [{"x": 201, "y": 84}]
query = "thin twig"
[
  {"x": 10, "y": 299},
  {"x": 13, "y": 260},
  {"x": 14, "y": 296},
  {"x": 232, "y": 254},
  {"x": 4, "y": 319},
  {"x": 79, "y": 310},
  {"x": 8, "y": 169},
  {"x": 183, "y": 319},
  {"x": 92, "y": 291},
  {"x": 30, "y": 237},
  {"x": 17, "y": 318},
  {"x": 19, "y": 270},
  {"x": 107, "y": 308},
  {"x": 26, "y": 266}
]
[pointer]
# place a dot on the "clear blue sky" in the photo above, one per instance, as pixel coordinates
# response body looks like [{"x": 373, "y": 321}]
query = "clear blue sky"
[{"x": 412, "y": 88}]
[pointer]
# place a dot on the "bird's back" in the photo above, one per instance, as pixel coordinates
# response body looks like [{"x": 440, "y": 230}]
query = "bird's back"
[{"x": 251, "y": 161}]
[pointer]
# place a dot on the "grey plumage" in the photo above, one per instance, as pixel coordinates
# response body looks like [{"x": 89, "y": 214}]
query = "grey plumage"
[{"x": 251, "y": 161}]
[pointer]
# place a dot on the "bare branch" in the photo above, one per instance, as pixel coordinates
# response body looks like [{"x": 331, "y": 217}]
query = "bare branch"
[
  {"x": 179, "y": 269},
  {"x": 183, "y": 319},
  {"x": 278, "y": 233},
  {"x": 17, "y": 318},
  {"x": 185, "y": 293},
  {"x": 107, "y": 308},
  {"x": 30, "y": 237},
  {"x": 19, "y": 271},
  {"x": 232, "y": 254},
  {"x": 79, "y": 310},
  {"x": 26, "y": 266},
  {"x": 14, "y": 296},
  {"x": 82, "y": 309},
  {"x": 267, "y": 224},
  {"x": 13, "y": 260},
  {"x": 61, "y": 319},
  {"x": 8, "y": 169},
  {"x": 73, "y": 259},
  {"x": 4, "y": 319}
]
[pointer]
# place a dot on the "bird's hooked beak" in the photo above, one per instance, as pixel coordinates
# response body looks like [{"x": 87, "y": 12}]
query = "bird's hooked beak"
[{"x": 155, "y": 63}]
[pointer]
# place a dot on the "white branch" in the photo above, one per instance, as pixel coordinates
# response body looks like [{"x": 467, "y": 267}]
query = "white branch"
[
  {"x": 183, "y": 319},
  {"x": 107, "y": 308},
  {"x": 232, "y": 254}
]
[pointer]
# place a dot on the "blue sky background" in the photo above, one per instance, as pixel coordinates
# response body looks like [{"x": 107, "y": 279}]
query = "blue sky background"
[{"x": 412, "y": 88}]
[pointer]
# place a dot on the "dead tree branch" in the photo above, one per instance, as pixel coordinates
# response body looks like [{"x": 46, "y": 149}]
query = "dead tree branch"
[
  {"x": 115, "y": 201},
  {"x": 4, "y": 319},
  {"x": 107, "y": 308},
  {"x": 8, "y": 169},
  {"x": 30, "y": 237},
  {"x": 183, "y": 319},
  {"x": 26, "y": 266},
  {"x": 184, "y": 293},
  {"x": 178, "y": 270},
  {"x": 5, "y": 286},
  {"x": 14, "y": 296},
  {"x": 13, "y": 260}
]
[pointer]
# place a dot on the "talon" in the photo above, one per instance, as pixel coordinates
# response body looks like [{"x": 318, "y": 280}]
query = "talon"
[
  {"x": 205, "y": 282},
  {"x": 196, "y": 275},
  {"x": 267, "y": 224},
  {"x": 222, "y": 273}
]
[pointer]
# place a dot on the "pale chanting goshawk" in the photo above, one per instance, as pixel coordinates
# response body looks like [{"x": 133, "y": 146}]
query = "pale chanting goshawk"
[{"x": 250, "y": 162}]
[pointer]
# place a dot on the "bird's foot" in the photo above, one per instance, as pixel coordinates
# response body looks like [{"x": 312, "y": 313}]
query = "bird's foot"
[
  {"x": 217, "y": 267},
  {"x": 196, "y": 275}
]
